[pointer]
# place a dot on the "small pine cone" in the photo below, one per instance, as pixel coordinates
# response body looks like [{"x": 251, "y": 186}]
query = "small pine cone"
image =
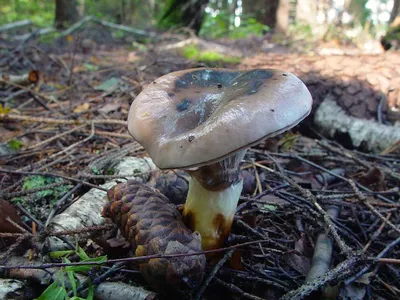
[{"x": 154, "y": 226}]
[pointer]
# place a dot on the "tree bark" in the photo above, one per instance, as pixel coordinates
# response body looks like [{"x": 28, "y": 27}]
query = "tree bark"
[
  {"x": 282, "y": 16},
  {"x": 67, "y": 12},
  {"x": 395, "y": 11}
]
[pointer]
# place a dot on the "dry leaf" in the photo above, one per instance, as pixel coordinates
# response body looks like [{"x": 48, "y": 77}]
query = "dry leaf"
[
  {"x": 81, "y": 108},
  {"x": 236, "y": 261},
  {"x": 374, "y": 179},
  {"x": 8, "y": 211},
  {"x": 110, "y": 107},
  {"x": 300, "y": 263},
  {"x": 70, "y": 38}
]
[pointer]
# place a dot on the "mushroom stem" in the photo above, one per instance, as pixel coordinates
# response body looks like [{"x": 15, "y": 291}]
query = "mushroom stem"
[
  {"x": 214, "y": 192},
  {"x": 211, "y": 212}
]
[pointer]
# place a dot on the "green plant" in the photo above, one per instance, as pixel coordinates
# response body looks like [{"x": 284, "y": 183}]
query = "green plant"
[
  {"x": 15, "y": 144},
  {"x": 192, "y": 52},
  {"x": 65, "y": 281},
  {"x": 221, "y": 25},
  {"x": 41, "y": 13}
]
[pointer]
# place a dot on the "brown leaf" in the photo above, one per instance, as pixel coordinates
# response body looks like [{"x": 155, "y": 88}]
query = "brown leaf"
[
  {"x": 236, "y": 261},
  {"x": 81, "y": 108},
  {"x": 374, "y": 179},
  {"x": 298, "y": 262},
  {"x": 303, "y": 247},
  {"x": 110, "y": 107},
  {"x": 9, "y": 211}
]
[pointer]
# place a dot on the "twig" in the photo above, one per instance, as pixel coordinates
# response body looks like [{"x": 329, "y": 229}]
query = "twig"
[
  {"x": 53, "y": 175},
  {"x": 212, "y": 274},
  {"x": 57, "y": 136},
  {"x": 13, "y": 117},
  {"x": 376, "y": 233},
  {"x": 130, "y": 259},
  {"x": 343, "y": 270},
  {"x": 75, "y": 144},
  {"x": 237, "y": 290},
  {"x": 364, "y": 200},
  {"x": 61, "y": 202},
  {"x": 15, "y": 25},
  {"x": 307, "y": 194},
  {"x": 378, "y": 258}
]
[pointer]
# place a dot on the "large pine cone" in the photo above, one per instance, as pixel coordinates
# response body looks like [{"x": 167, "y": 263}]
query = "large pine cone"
[{"x": 154, "y": 226}]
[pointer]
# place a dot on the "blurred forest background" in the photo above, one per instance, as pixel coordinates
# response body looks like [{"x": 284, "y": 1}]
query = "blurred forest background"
[
  {"x": 70, "y": 69},
  {"x": 346, "y": 20}
]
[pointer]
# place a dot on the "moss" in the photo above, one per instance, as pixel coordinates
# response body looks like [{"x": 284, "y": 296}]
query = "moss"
[{"x": 211, "y": 57}]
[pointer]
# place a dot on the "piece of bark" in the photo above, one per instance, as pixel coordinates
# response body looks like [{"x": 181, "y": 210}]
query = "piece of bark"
[
  {"x": 11, "y": 289},
  {"x": 370, "y": 135},
  {"x": 153, "y": 225},
  {"x": 24, "y": 79},
  {"x": 8, "y": 211},
  {"x": 86, "y": 211}
]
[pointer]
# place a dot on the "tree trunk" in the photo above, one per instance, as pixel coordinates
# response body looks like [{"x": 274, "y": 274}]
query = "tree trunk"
[
  {"x": 395, "y": 11},
  {"x": 282, "y": 16},
  {"x": 270, "y": 13},
  {"x": 193, "y": 14},
  {"x": 66, "y": 13}
]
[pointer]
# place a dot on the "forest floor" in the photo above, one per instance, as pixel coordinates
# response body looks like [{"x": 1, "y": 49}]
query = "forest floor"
[{"x": 64, "y": 106}]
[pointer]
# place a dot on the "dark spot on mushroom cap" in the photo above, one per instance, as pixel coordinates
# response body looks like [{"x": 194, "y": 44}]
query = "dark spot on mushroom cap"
[
  {"x": 183, "y": 105},
  {"x": 208, "y": 78},
  {"x": 191, "y": 138}
]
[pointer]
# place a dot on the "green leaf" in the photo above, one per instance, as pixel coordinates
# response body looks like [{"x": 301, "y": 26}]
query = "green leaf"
[
  {"x": 15, "y": 144},
  {"x": 71, "y": 277},
  {"x": 33, "y": 182},
  {"x": 85, "y": 268},
  {"x": 53, "y": 292},
  {"x": 59, "y": 254},
  {"x": 82, "y": 254},
  {"x": 108, "y": 85},
  {"x": 90, "y": 292},
  {"x": 90, "y": 67}
]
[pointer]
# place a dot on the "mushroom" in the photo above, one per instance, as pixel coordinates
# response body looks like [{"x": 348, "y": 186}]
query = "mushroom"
[{"x": 203, "y": 120}]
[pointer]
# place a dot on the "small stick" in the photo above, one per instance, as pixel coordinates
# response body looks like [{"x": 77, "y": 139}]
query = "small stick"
[
  {"x": 13, "y": 117},
  {"x": 307, "y": 194},
  {"x": 212, "y": 274},
  {"x": 376, "y": 233},
  {"x": 237, "y": 290},
  {"x": 57, "y": 136},
  {"x": 365, "y": 201}
]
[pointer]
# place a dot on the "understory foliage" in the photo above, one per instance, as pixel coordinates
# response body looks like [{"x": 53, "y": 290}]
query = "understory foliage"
[{"x": 65, "y": 284}]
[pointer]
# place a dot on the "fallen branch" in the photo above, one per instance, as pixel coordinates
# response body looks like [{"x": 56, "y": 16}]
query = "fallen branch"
[
  {"x": 14, "y": 25},
  {"x": 375, "y": 137},
  {"x": 13, "y": 117},
  {"x": 24, "y": 79}
]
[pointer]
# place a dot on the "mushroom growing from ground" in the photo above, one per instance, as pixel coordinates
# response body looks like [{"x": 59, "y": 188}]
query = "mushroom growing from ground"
[{"x": 203, "y": 120}]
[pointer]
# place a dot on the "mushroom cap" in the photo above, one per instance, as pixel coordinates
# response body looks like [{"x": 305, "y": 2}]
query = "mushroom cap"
[{"x": 195, "y": 117}]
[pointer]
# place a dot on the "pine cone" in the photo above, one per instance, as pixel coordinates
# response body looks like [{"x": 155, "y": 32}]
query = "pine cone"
[{"x": 154, "y": 226}]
